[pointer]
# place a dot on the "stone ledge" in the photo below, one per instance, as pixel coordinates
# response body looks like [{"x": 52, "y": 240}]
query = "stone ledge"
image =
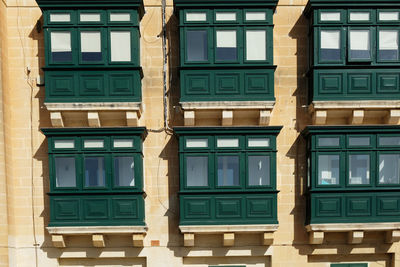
[
  {"x": 231, "y": 105},
  {"x": 95, "y": 106},
  {"x": 89, "y": 230},
  {"x": 218, "y": 229},
  {"x": 344, "y": 227},
  {"x": 357, "y": 104}
]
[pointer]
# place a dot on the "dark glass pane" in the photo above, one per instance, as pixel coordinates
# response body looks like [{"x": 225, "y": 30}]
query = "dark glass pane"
[
  {"x": 388, "y": 54},
  {"x": 228, "y": 171},
  {"x": 330, "y": 54},
  {"x": 124, "y": 174},
  {"x": 196, "y": 42},
  {"x": 94, "y": 171},
  {"x": 61, "y": 56},
  {"x": 226, "y": 53},
  {"x": 91, "y": 56},
  {"x": 360, "y": 54}
]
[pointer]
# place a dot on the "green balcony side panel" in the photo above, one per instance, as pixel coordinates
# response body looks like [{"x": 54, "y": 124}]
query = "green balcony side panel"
[
  {"x": 95, "y": 210},
  {"x": 227, "y": 85},
  {"x": 356, "y": 84},
  {"x": 89, "y": 86},
  {"x": 354, "y": 207},
  {"x": 221, "y": 208}
]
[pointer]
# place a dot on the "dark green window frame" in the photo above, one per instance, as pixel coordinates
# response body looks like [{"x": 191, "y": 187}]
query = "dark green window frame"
[
  {"x": 84, "y": 197},
  {"x": 345, "y": 25},
  {"x": 240, "y": 25},
  {"x": 105, "y": 26}
]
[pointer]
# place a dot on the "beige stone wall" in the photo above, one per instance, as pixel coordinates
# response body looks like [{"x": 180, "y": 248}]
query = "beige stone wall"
[{"x": 22, "y": 225}]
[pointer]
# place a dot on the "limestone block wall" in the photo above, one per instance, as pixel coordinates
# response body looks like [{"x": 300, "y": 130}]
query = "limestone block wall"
[{"x": 24, "y": 177}]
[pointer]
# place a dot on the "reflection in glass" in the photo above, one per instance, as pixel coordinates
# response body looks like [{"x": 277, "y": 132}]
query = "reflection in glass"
[
  {"x": 124, "y": 174},
  {"x": 328, "y": 141},
  {"x": 359, "y": 169},
  {"x": 94, "y": 171},
  {"x": 228, "y": 171},
  {"x": 61, "y": 46},
  {"x": 389, "y": 168},
  {"x": 196, "y": 171},
  {"x": 328, "y": 169},
  {"x": 389, "y": 141},
  {"x": 226, "y": 49},
  {"x": 91, "y": 46},
  {"x": 360, "y": 44},
  {"x": 197, "y": 45},
  {"x": 359, "y": 141},
  {"x": 259, "y": 170},
  {"x": 388, "y": 45},
  {"x": 330, "y": 45},
  {"x": 65, "y": 172}
]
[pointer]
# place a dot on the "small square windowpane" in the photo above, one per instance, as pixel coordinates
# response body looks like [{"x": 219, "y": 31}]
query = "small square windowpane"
[
  {"x": 389, "y": 171},
  {"x": 389, "y": 141},
  {"x": 259, "y": 170},
  {"x": 328, "y": 169},
  {"x": 197, "y": 171},
  {"x": 228, "y": 171}
]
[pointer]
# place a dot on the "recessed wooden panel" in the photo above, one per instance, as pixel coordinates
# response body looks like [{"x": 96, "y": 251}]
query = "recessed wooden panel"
[
  {"x": 228, "y": 207},
  {"x": 358, "y": 206},
  {"x": 125, "y": 208},
  {"x": 95, "y": 209},
  {"x": 388, "y": 83},
  {"x": 227, "y": 84},
  {"x": 197, "y": 84},
  {"x": 259, "y": 207},
  {"x": 197, "y": 208},
  {"x": 328, "y": 207},
  {"x": 330, "y": 83},
  {"x": 61, "y": 85},
  {"x": 91, "y": 85},
  {"x": 257, "y": 83},
  {"x": 121, "y": 85},
  {"x": 66, "y": 209},
  {"x": 360, "y": 84},
  {"x": 388, "y": 206}
]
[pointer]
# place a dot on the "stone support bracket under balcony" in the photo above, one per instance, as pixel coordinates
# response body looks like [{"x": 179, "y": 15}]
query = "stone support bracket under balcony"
[
  {"x": 226, "y": 113},
  {"x": 228, "y": 232},
  {"x": 355, "y": 231},
  {"x": 355, "y": 112},
  {"x": 98, "y": 234},
  {"x": 97, "y": 114}
]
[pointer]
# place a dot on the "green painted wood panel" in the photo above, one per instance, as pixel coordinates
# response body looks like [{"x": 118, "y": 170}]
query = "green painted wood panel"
[
  {"x": 235, "y": 208},
  {"x": 90, "y": 86},
  {"x": 223, "y": 84},
  {"x": 94, "y": 210}
]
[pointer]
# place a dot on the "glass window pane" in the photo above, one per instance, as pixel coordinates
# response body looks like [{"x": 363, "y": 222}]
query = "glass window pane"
[
  {"x": 232, "y": 142},
  {"x": 196, "y": 45},
  {"x": 120, "y": 17},
  {"x": 226, "y": 46},
  {"x": 359, "y": 16},
  {"x": 64, "y": 144},
  {"x": 91, "y": 46},
  {"x": 93, "y": 143},
  {"x": 120, "y": 143},
  {"x": 196, "y": 16},
  {"x": 124, "y": 174},
  {"x": 197, "y": 171},
  {"x": 225, "y": 16},
  {"x": 258, "y": 142},
  {"x": 259, "y": 170},
  {"x": 256, "y": 16},
  {"x": 328, "y": 169},
  {"x": 330, "y": 16},
  {"x": 388, "y": 45},
  {"x": 389, "y": 168},
  {"x": 94, "y": 171},
  {"x": 196, "y": 143},
  {"x": 330, "y": 45},
  {"x": 89, "y": 17},
  {"x": 359, "y": 141},
  {"x": 228, "y": 171},
  {"x": 328, "y": 141},
  {"x": 384, "y": 16},
  {"x": 360, "y": 44},
  {"x": 389, "y": 141},
  {"x": 256, "y": 46},
  {"x": 60, "y": 17},
  {"x": 359, "y": 169},
  {"x": 120, "y": 46},
  {"x": 65, "y": 172},
  {"x": 61, "y": 46}
]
